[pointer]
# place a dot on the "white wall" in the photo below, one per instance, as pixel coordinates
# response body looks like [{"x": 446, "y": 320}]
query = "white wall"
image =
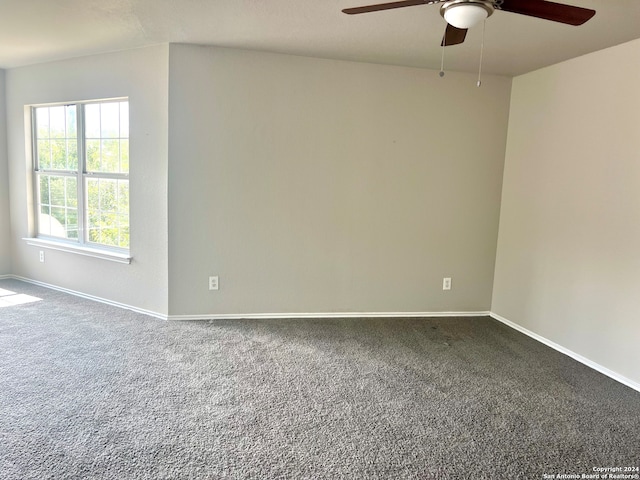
[
  {"x": 317, "y": 186},
  {"x": 568, "y": 262},
  {"x": 141, "y": 75},
  {"x": 5, "y": 222},
  {"x": 313, "y": 185}
]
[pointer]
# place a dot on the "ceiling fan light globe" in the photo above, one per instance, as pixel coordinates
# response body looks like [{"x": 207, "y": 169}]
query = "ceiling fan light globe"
[{"x": 465, "y": 15}]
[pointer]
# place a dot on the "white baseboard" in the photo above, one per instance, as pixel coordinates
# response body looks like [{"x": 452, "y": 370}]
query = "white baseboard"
[
  {"x": 258, "y": 316},
  {"x": 90, "y": 297},
  {"x": 589, "y": 363},
  {"x": 6, "y": 277},
  {"x": 250, "y": 316}
]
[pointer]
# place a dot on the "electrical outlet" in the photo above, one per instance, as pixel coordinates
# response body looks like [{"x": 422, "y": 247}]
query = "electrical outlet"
[
  {"x": 446, "y": 283},
  {"x": 213, "y": 283},
  {"x": 42, "y": 256}
]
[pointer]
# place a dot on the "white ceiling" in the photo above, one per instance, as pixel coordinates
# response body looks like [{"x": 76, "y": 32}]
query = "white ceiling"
[{"x": 35, "y": 31}]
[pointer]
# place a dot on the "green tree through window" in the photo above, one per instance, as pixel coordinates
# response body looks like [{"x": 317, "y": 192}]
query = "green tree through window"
[{"x": 93, "y": 167}]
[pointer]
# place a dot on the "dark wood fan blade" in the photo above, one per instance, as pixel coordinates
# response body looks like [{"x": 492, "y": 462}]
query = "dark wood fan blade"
[
  {"x": 389, "y": 6},
  {"x": 453, "y": 36},
  {"x": 556, "y": 12}
]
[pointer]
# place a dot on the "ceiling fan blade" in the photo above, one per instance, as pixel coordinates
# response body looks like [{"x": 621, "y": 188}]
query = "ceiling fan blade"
[
  {"x": 389, "y": 6},
  {"x": 556, "y": 12},
  {"x": 453, "y": 36}
]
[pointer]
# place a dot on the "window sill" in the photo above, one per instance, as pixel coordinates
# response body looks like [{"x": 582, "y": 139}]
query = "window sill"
[{"x": 80, "y": 250}]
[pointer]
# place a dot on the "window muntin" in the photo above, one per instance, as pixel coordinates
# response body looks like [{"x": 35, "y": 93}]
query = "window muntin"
[{"x": 81, "y": 151}]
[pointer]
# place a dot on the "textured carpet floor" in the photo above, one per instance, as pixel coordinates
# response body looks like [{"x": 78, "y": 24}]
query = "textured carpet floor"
[{"x": 93, "y": 391}]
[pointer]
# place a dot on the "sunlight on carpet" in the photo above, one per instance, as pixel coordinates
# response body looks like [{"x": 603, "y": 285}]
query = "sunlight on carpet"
[{"x": 11, "y": 299}]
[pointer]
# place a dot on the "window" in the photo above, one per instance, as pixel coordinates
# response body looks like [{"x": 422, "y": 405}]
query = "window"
[{"x": 81, "y": 171}]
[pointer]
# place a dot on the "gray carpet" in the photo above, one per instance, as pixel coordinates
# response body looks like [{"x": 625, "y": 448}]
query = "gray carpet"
[{"x": 90, "y": 391}]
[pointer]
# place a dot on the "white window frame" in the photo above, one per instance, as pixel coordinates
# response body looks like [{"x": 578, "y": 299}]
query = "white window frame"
[{"x": 82, "y": 245}]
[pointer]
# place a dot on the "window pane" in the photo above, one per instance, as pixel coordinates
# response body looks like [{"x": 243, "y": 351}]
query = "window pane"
[
  {"x": 123, "y": 196},
  {"x": 72, "y": 223},
  {"x": 108, "y": 195},
  {"x": 57, "y": 188},
  {"x": 109, "y": 229},
  {"x": 72, "y": 155},
  {"x": 93, "y": 195},
  {"x": 50, "y": 224},
  {"x": 72, "y": 123},
  {"x": 124, "y": 119},
  {"x": 107, "y": 131},
  {"x": 93, "y": 155},
  {"x": 42, "y": 122},
  {"x": 123, "y": 225},
  {"x": 94, "y": 235},
  {"x": 108, "y": 211},
  {"x": 58, "y": 215},
  {"x": 44, "y": 190},
  {"x": 58, "y": 155},
  {"x": 44, "y": 154},
  {"x": 110, "y": 156},
  {"x": 104, "y": 156},
  {"x": 56, "y": 143},
  {"x": 63, "y": 191},
  {"x": 57, "y": 119},
  {"x": 124, "y": 156},
  {"x": 44, "y": 221},
  {"x": 110, "y": 120},
  {"x": 71, "y": 189},
  {"x": 57, "y": 222},
  {"x": 92, "y": 120}
]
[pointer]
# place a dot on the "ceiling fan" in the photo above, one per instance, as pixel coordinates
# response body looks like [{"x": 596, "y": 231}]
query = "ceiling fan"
[{"x": 460, "y": 15}]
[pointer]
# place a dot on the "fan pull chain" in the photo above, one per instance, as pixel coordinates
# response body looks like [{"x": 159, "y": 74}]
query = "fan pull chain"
[
  {"x": 484, "y": 24},
  {"x": 442, "y": 62}
]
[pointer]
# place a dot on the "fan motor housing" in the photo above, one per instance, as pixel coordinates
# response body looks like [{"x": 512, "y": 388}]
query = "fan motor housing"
[{"x": 488, "y": 5}]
